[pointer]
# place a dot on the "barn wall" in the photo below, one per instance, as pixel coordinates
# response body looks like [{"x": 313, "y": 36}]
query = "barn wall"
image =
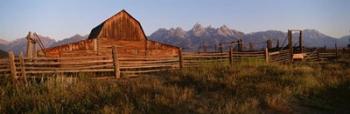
[
  {"x": 158, "y": 49},
  {"x": 85, "y": 47},
  {"x": 125, "y": 48},
  {"x": 137, "y": 48},
  {"x": 122, "y": 27}
]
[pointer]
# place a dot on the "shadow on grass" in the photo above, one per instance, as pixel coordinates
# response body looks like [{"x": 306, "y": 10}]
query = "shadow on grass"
[{"x": 330, "y": 100}]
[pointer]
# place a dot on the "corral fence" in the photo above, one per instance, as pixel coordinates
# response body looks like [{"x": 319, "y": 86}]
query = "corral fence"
[
  {"x": 193, "y": 59},
  {"x": 319, "y": 55},
  {"x": 22, "y": 67}
]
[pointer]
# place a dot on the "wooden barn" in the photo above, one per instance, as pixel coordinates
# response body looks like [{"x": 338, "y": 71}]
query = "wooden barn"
[{"x": 121, "y": 30}]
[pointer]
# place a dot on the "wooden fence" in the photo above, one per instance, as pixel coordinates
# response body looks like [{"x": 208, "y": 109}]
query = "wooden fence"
[
  {"x": 196, "y": 59},
  {"x": 316, "y": 55},
  {"x": 282, "y": 56},
  {"x": 23, "y": 67}
]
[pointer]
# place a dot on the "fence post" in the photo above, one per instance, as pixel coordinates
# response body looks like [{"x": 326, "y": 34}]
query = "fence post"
[
  {"x": 30, "y": 43},
  {"x": 269, "y": 44},
  {"x": 180, "y": 59},
  {"x": 336, "y": 51},
  {"x": 23, "y": 72},
  {"x": 12, "y": 65},
  {"x": 221, "y": 48},
  {"x": 290, "y": 45},
  {"x": 301, "y": 44},
  {"x": 230, "y": 56},
  {"x": 116, "y": 62},
  {"x": 267, "y": 55},
  {"x": 318, "y": 55}
]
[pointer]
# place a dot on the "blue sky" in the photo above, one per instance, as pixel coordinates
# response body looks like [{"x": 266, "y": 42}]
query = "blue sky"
[{"x": 64, "y": 18}]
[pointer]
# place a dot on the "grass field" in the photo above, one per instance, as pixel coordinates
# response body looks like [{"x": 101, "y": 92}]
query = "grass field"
[{"x": 248, "y": 87}]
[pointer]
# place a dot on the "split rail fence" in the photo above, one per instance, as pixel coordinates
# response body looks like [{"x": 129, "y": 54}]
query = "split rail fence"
[{"x": 22, "y": 67}]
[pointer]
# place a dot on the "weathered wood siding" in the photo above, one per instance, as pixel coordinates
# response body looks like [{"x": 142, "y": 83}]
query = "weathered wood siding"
[
  {"x": 137, "y": 48},
  {"x": 155, "y": 48},
  {"x": 121, "y": 26},
  {"x": 82, "y": 48}
]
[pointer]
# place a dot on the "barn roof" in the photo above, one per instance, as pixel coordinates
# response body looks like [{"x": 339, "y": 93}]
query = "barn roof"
[{"x": 118, "y": 21}]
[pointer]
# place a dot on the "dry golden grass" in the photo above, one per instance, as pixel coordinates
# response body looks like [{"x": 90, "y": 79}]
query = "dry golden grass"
[{"x": 248, "y": 87}]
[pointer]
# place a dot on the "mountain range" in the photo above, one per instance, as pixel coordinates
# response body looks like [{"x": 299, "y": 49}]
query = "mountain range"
[
  {"x": 72, "y": 39},
  {"x": 209, "y": 36},
  {"x": 199, "y": 35},
  {"x": 20, "y": 44},
  {"x": 344, "y": 41}
]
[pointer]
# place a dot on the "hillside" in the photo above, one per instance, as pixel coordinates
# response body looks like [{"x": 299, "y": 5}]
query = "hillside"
[
  {"x": 72, "y": 39},
  {"x": 314, "y": 38},
  {"x": 3, "y": 42},
  {"x": 20, "y": 45},
  {"x": 344, "y": 41},
  {"x": 259, "y": 38}
]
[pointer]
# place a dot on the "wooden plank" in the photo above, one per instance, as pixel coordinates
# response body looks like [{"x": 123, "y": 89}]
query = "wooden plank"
[
  {"x": 146, "y": 59},
  {"x": 333, "y": 54},
  {"x": 200, "y": 56},
  {"x": 290, "y": 45},
  {"x": 69, "y": 63},
  {"x": 278, "y": 53},
  {"x": 70, "y": 71},
  {"x": 143, "y": 67},
  {"x": 71, "y": 67},
  {"x": 12, "y": 65},
  {"x": 281, "y": 54},
  {"x": 144, "y": 71},
  {"x": 116, "y": 62},
  {"x": 203, "y": 61},
  {"x": 70, "y": 58},
  {"x": 248, "y": 55},
  {"x": 4, "y": 66},
  {"x": 230, "y": 56},
  {"x": 23, "y": 71},
  {"x": 267, "y": 55},
  {"x": 95, "y": 43},
  {"x": 205, "y": 54},
  {"x": 274, "y": 53},
  {"x": 181, "y": 61},
  {"x": 255, "y": 52},
  {"x": 4, "y": 70},
  {"x": 213, "y": 52},
  {"x": 160, "y": 64},
  {"x": 203, "y": 57},
  {"x": 4, "y": 61},
  {"x": 149, "y": 62}
]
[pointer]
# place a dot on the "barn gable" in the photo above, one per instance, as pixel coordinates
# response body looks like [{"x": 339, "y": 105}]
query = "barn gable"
[{"x": 121, "y": 26}]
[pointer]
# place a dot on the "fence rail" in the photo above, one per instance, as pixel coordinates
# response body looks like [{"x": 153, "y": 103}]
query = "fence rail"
[
  {"x": 20, "y": 66},
  {"x": 282, "y": 56}
]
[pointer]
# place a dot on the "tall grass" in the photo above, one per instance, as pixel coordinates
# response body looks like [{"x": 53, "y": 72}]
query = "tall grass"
[{"x": 246, "y": 87}]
